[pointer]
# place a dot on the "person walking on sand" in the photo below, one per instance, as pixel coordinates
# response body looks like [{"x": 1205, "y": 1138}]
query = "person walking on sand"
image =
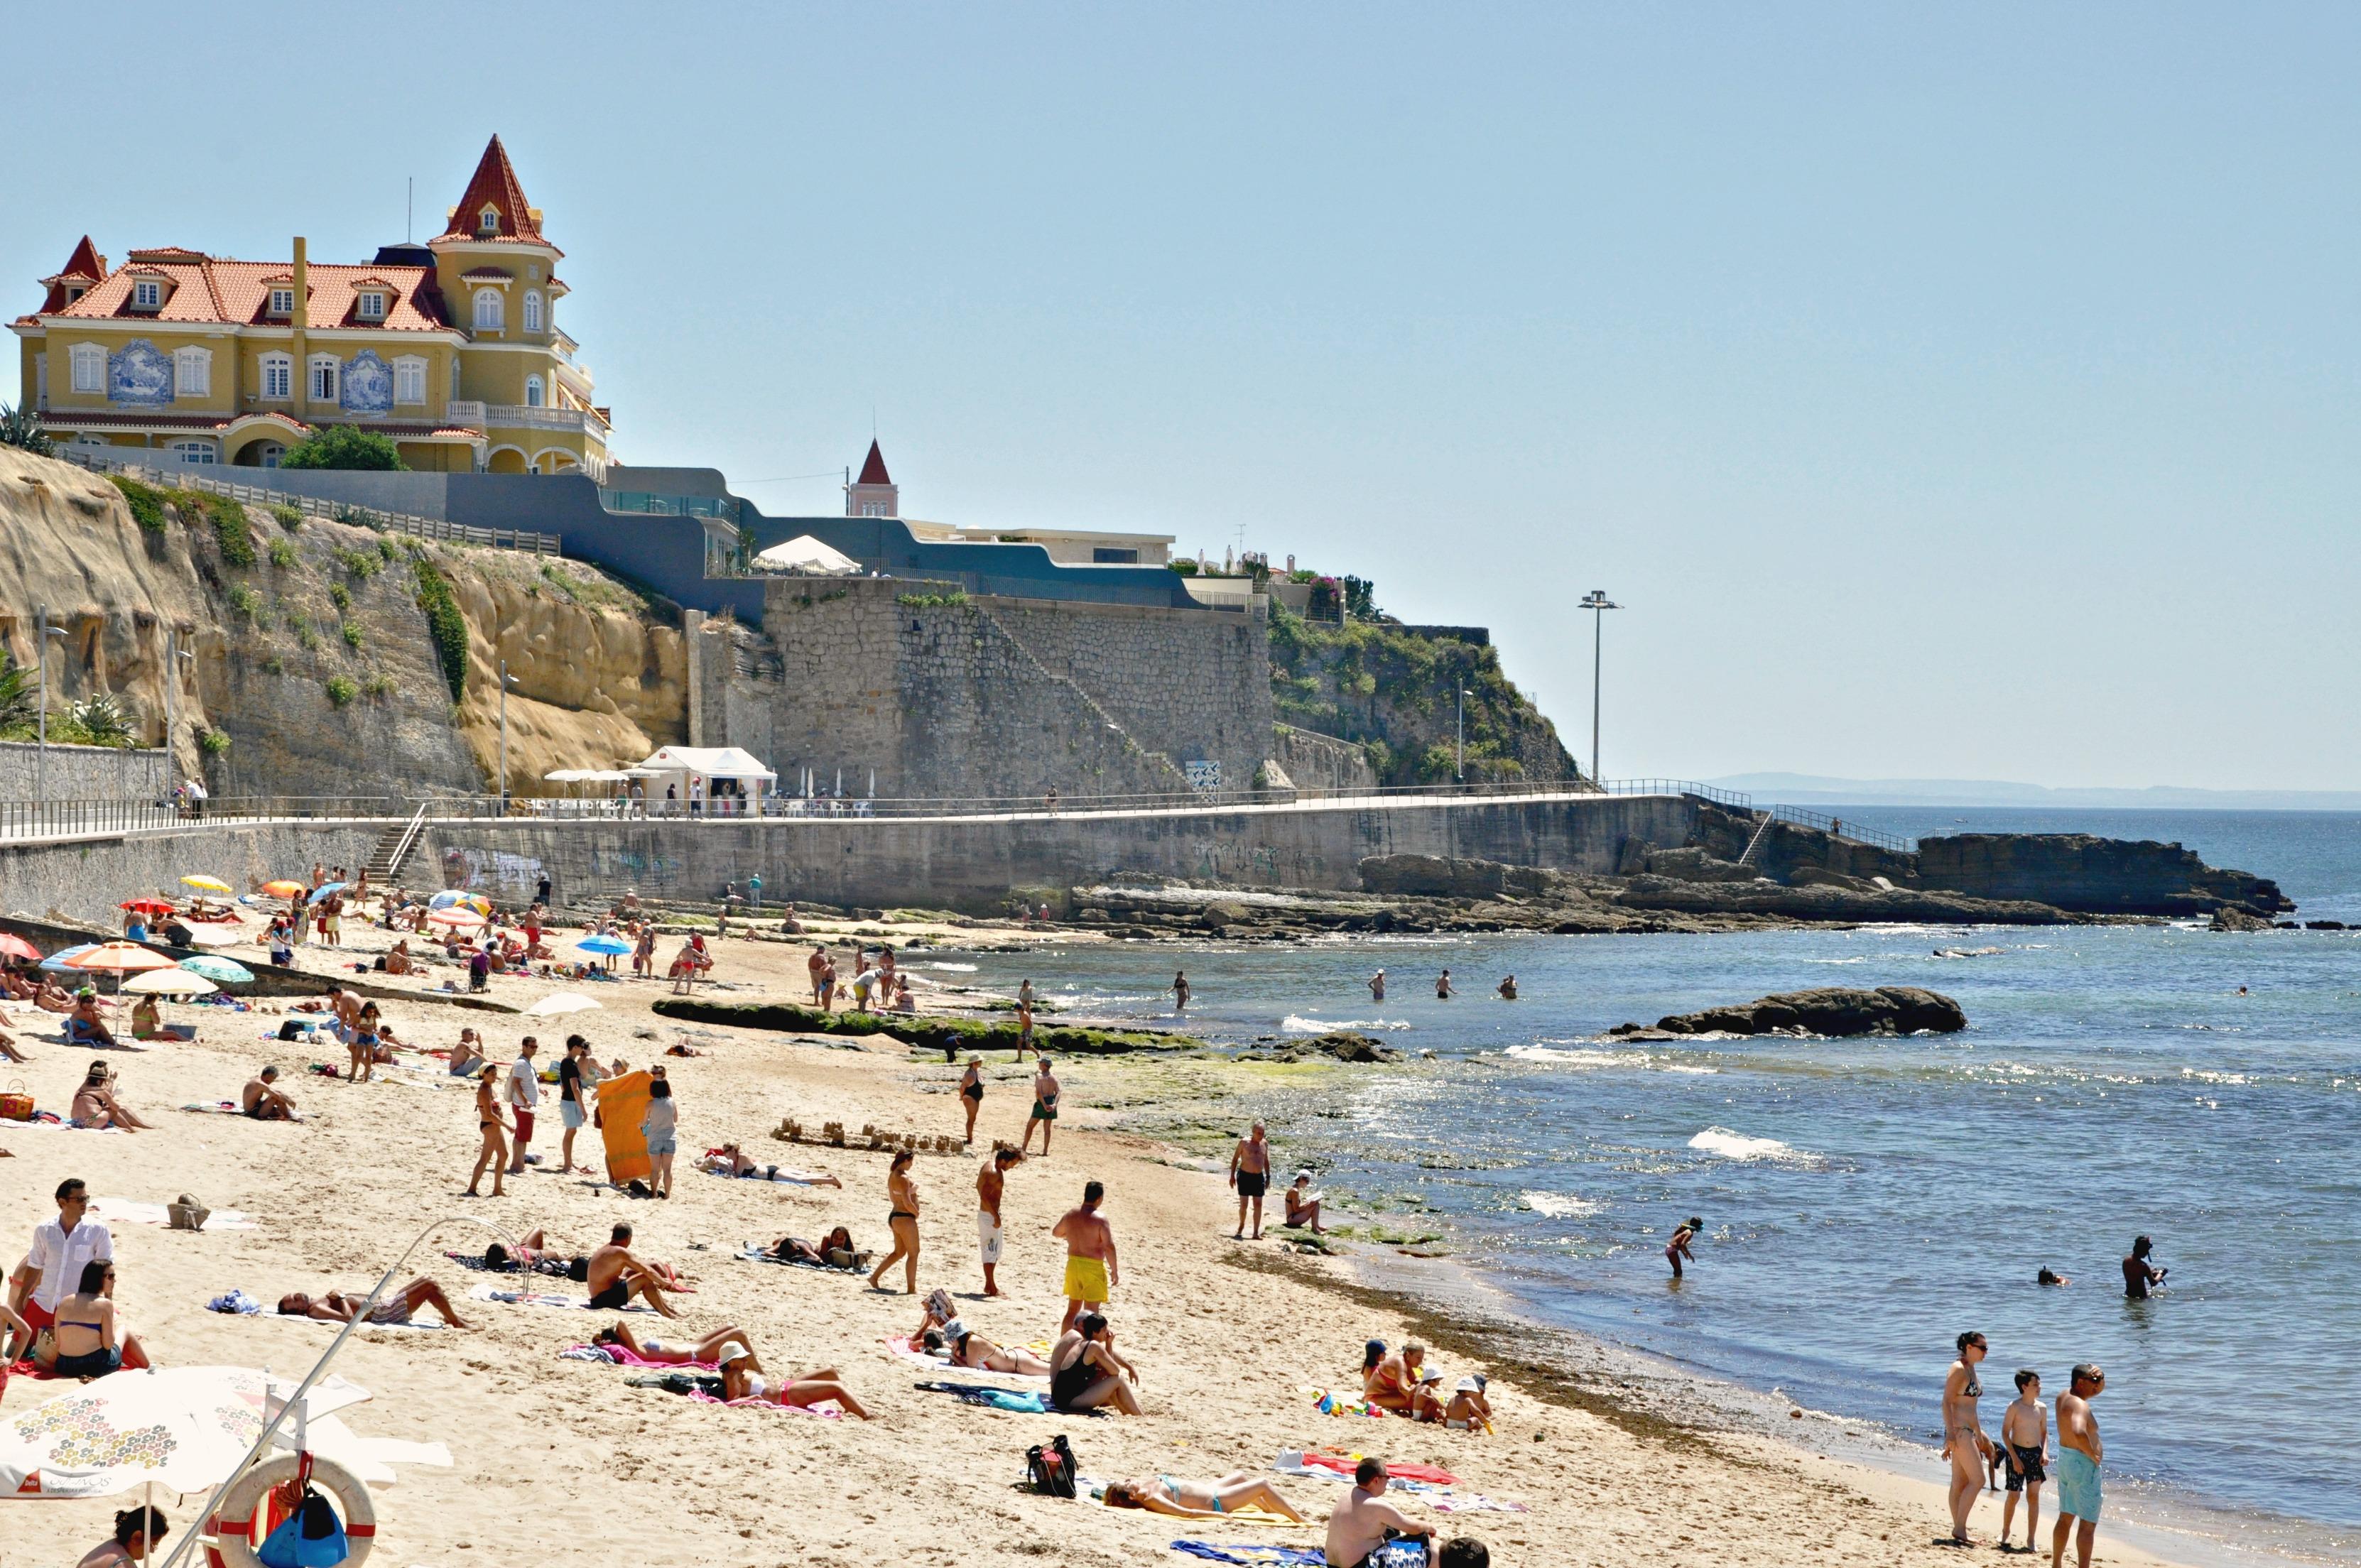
[
  {"x": 972, "y": 1093},
  {"x": 660, "y": 1127},
  {"x": 1378, "y": 986},
  {"x": 1963, "y": 1435},
  {"x": 902, "y": 1194},
  {"x": 1179, "y": 992},
  {"x": 1045, "y": 1108},
  {"x": 494, "y": 1130},
  {"x": 524, "y": 1094},
  {"x": 1025, "y": 1027},
  {"x": 1250, "y": 1173},
  {"x": 2024, "y": 1439},
  {"x": 1678, "y": 1247},
  {"x": 1091, "y": 1272},
  {"x": 989, "y": 1183},
  {"x": 573, "y": 1100},
  {"x": 2140, "y": 1276},
  {"x": 2078, "y": 1456}
]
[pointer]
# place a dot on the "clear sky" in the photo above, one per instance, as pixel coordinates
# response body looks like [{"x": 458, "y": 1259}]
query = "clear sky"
[{"x": 1964, "y": 392}]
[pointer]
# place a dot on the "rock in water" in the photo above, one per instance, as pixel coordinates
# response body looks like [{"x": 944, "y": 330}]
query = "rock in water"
[
  {"x": 2230, "y": 918},
  {"x": 1831, "y": 1010}
]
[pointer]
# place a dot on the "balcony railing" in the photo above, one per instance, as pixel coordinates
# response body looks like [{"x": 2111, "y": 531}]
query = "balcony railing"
[
  {"x": 464, "y": 410},
  {"x": 524, "y": 416}
]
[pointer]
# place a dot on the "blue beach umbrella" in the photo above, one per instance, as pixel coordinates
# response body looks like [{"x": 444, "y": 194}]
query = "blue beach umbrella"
[
  {"x": 603, "y": 944},
  {"x": 63, "y": 958},
  {"x": 225, "y": 971},
  {"x": 326, "y": 888}
]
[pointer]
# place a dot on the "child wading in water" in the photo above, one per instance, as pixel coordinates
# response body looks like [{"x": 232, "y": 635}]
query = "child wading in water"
[{"x": 2025, "y": 1438}]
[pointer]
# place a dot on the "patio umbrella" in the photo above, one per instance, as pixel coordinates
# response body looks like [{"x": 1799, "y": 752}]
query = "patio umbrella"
[
  {"x": 173, "y": 982},
  {"x": 603, "y": 944},
  {"x": 557, "y": 1004},
  {"x": 184, "y": 1429},
  {"x": 146, "y": 906},
  {"x": 207, "y": 884},
  {"x": 128, "y": 957},
  {"x": 62, "y": 959},
  {"x": 15, "y": 946},
  {"x": 451, "y": 897},
  {"x": 326, "y": 888},
  {"x": 223, "y": 971},
  {"x": 206, "y": 934},
  {"x": 284, "y": 889},
  {"x": 457, "y": 919}
]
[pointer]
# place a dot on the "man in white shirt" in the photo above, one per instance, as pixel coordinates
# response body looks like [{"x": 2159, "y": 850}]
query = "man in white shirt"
[
  {"x": 61, "y": 1248},
  {"x": 524, "y": 1094}
]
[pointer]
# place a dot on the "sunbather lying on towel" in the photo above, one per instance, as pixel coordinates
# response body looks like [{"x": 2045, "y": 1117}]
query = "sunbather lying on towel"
[
  {"x": 534, "y": 1255},
  {"x": 742, "y": 1378},
  {"x": 968, "y": 1348},
  {"x": 343, "y": 1306},
  {"x": 796, "y": 1249},
  {"x": 1199, "y": 1499},
  {"x": 677, "y": 1353}
]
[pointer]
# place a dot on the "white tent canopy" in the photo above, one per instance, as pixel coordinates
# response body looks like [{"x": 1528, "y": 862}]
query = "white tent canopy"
[
  {"x": 589, "y": 775},
  {"x": 807, "y": 556},
  {"x": 679, "y": 776}
]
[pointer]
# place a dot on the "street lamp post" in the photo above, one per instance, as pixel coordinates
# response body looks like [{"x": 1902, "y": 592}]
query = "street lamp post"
[
  {"x": 1460, "y": 702},
  {"x": 1597, "y": 603},
  {"x": 507, "y": 680},
  {"x": 173, "y": 654},
  {"x": 41, "y": 721}
]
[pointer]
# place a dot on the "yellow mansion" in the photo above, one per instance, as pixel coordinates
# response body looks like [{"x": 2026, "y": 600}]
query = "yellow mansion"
[{"x": 451, "y": 348}]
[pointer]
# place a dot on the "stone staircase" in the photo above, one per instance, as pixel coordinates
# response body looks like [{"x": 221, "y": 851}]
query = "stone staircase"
[{"x": 393, "y": 846}]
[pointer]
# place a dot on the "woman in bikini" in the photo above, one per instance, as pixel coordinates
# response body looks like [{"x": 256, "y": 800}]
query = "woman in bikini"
[
  {"x": 742, "y": 1379},
  {"x": 1964, "y": 1443},
  {"x": 968, "y": 1348},
  {"x": 85, "y": 1331},
  {"x": 1199, "y": 1499},
  {"x": 1678, "y": 1247},
  {"x": 494, "y": 1128},
  {"x": 972, "y": 1093},
  {"x": 674, "y": 1353},
  {"x": 94, "y": 1104},
  {"x": 903, "y": 1194}
]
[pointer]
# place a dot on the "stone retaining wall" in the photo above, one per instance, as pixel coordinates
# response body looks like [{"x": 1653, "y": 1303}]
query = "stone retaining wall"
[{"x": 82, "y": 773}]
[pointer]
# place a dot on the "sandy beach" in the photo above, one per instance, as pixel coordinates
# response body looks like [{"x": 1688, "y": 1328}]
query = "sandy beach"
[{"x": 561, "y": 1462}]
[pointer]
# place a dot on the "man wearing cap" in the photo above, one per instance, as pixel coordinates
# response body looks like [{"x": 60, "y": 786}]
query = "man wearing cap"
[{"x": 1366, "y": 1531}]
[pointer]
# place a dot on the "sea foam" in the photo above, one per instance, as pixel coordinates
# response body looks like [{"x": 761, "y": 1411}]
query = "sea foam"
[
  {"x": 1737, "y": 1145},
  {"x": 1295, "y": 1025},
  {"x": 1558, "y": 1205}
]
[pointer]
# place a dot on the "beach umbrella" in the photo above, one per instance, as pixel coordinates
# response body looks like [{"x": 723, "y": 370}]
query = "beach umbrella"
[
  {"x": 207, "y": 884},
  {"x": 603, "y": 944},
  {"x": 326, "y": 888},
  {"x": 208, "y": 934},
  {"x": 557, "y": 1004},
  {"x": 125, "y": 957},
  {"x": 284, "y": 889},
  {"x": 184, "y": 1429},
  {"x": 223, "y": 971},
  {"x": 146, "y": 906},
  {"x": 63, "y": 958},
  {"x": 457, "y": 919},
  {"x": 15, "y": 946},
  {"x": 453, "y": 897},
  {"x": 173, "y": 982}
]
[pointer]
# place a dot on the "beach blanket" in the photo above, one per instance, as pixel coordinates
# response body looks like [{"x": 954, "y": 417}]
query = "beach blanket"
[
  {"x": 219, "y": 1108},
  {"x": 785, "y": 1174},
  {"x": 695, "y": 1388},
  {"x": 749, "y": 1252},
  {"x": 540, "y": 1298},
  {"x": 1028, "y": 1404},
  {"x": 1476, "y": 1503},
  {"x": 129, "y": 1211},
  {"x": 1304, "y": 1463},
  {"x": 1259, "y": 1554},
  {"x": 621, "y": 1102},
  {"x": 617, "y": 1355}
]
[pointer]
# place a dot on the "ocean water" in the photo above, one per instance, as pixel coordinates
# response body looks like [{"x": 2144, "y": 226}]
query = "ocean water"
[{"x": 1867, "y": 1201}]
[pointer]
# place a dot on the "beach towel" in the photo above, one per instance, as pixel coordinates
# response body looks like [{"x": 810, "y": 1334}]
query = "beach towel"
[
  {"x": 1344, "y": 1463},
  {"x": 236, "y": 1301},
  {"x": 617, "y": 1355},
  {"x": 621, "y": 1102},
  {"x": 1257, "y": 1554},
  {"x": 129, "y": 1211},
  {"x": 786, "y": 1175},
  {"x": 1028, "y": 1404},
  {"x": 695, "y": 1388},
  {"x": 540, "y": 1298},
  {"x": 1262, "y": 1517},
  {"x": 1476, "y": 1503},
  {"x": 219, "y": 1108},
  {"x": 907, "y": 1349}
]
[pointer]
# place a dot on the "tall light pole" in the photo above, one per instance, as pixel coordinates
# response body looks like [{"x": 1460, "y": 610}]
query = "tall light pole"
[
  {"x": 173, "y": 654},
  {"x": 1460, "y": 701},
  {"x": 41, "y": 723},
  {"x": 1597, "y": 604},
  {"x": 507, "y": 680}
]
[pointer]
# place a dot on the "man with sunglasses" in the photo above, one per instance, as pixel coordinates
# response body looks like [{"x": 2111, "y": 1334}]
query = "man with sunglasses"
[{"x": 2079, "y": 1452}]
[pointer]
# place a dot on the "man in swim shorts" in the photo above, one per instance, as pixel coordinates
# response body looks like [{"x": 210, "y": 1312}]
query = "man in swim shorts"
[
  {"x": 1090, "y": 1268},
  {"x": 263, "y": 1101},
  {"x": 1045, "y": 1109},
  {"x": 988, "y": 1184},
  {"x": 1366, "y": 1531},
  {"x": 2079, "y": 1454},
  {"x": 615, "y": 1276},
  {"x": 1250, "y": 1173}
]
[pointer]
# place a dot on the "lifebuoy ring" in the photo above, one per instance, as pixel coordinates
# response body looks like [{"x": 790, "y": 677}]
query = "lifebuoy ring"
[{"x": 233, "y": 1536}]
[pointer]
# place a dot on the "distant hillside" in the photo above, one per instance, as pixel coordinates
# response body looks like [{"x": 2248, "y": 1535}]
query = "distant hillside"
[{"x": 1811, "y": 789}]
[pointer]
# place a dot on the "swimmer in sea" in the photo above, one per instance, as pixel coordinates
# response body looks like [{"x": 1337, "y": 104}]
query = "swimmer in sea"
[
  {"x": 2139, "y": 1275},
  {"x": 2050, "y": 1276},
  {"x": 1678, "y": 1247}
]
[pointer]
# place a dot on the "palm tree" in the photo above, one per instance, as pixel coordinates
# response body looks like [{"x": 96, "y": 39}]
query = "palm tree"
[{"x": 19, "y": 693}]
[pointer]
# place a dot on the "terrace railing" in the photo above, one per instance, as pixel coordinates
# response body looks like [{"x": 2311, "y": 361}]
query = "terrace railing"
[{"x": 1838, "y": 827}]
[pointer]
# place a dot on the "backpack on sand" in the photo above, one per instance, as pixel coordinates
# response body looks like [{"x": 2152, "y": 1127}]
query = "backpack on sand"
[{"x": 1050, "y": 1471}]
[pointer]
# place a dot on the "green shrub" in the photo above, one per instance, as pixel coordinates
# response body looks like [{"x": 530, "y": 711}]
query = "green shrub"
[
  {"x": 340, "y": 595},
  {"x": 342, "y": 690},
  {"x": 104, "y": 721},
  {"x": 231, "y": 530},
  {"x": 146, "y": 504},
  {"x": 307, "y": 639},
  {"x": 362, "y": 564},
  {"x": 345, "y": 447},
  {"x": 21, "y": 428},
  {"x": 282, "y": 555},
  {"x": 1186, "y": 566},
  {"x": 445, "y": 624},
  {"x": 212, "y": 742},
  {"x": 244, "y": 601},
  {"x": 351, "y": 634},
  {"x": 274, "y": 666},
  {"x": 387, "y": 550},
  {"x": 290, "y": 518},
  {"x": 379, "y": 684},
  {"x": 952, "y": 600}
]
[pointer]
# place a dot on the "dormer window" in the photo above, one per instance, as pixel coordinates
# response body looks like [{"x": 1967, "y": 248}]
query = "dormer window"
[
  {"x": 147, "y": 293},
  {"x": 488, "y": 220},
  {"x": 372, "y": 305},
  {"x": 74, "y": 292},
  {"x": 282, "y": 302}
]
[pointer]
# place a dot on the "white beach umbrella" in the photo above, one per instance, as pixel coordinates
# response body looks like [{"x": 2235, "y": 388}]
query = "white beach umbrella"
[
  {"x": 169, "y": 983},
  {"x": 557, "y": 1004},
  {"x": 184, "y": 1429}
]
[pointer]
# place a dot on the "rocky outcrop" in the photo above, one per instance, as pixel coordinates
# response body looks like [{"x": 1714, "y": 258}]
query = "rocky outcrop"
[
  {"x": 1834, "y": 903},
  {"x": 2230, "y": 918},
  {"x": 1835, "y": 1011},
  {"x": 2093, "y": 875},
  {"x": 1338, "y": 1044},
  {"x": 1429, "y": 876}
]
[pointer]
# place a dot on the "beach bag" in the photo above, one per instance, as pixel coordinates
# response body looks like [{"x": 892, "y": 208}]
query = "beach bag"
[
  {"x": 186, "y": 1213},
  {"x": 15, "y": 1104},
  {"x": 310, "y": 1537},
  {"x": 1050, "y": 1471}
]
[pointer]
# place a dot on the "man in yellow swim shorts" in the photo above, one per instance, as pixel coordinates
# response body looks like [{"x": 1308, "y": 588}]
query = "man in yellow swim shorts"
[{"x": 1090, "y": 1268}]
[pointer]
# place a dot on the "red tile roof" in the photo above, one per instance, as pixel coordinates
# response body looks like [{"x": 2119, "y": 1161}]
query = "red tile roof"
[
  {"x": 495, "y": 184},
  {"x": 84, "y": 265},
  {"x": 872, "y": 472},
  {"x": 208, "y": 289}
]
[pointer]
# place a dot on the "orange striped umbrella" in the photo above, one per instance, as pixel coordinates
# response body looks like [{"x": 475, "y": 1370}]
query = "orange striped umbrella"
[{"x": 126, "y": 957}]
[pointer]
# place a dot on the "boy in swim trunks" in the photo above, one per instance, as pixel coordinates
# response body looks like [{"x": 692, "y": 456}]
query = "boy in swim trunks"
[
  {"x": 1090, "y": 1268},
  {"x": 2025, "y": 1441}
]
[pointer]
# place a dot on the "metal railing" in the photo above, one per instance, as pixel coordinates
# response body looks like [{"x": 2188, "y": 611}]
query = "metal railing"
[
  {"x": 1837, "y": 827},
  {"x": 180, "y": 478}
]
